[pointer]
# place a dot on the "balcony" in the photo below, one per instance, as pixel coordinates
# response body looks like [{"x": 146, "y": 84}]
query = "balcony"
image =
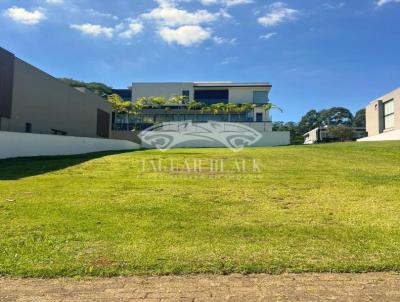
[
  {"x": 258, "y": 126},
  {"x": 150, "y": 117}
]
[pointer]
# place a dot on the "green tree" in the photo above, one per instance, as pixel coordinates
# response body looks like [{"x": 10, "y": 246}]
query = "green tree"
[
  {"x": 340, "y": 132},
  {"x": 118, "y": 104},
  {"x": 271, "y": 106},
  {"x": 98, "y": 88},
  {"x": 360, "y": 119},
  {"x": 194, "y": 105},
  {"x": 309, "y": 121},
  {"x": 296, "y": 137},
  {"x": 335, "y": 116}
]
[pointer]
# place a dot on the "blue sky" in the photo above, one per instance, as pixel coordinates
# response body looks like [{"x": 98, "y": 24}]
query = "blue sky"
[{"x": 315, "y": 53}]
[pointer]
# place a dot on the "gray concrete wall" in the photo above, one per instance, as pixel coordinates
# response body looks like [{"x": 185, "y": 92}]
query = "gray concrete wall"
[
  {"x": 27, "y": 145},
  {"x": 131, "y": 136},
  {"x": 374, "y": 118},
  {"x": 7, "y": 60},
  {"x": 48, "y": 103},
  {"x": 375, "y": 115},
  {"x": 3, "y": 123},
  {"x": 268, "y": 139},
  {"x": 166, "y": 90}
]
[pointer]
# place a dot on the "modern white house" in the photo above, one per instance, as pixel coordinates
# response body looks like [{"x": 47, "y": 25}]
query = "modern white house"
[
  {"x": 211, "y": 93},
  {"x": 322, "y": 134},
  {"x": 383, "y": 117},
  {"x": 207, "y": 93}
]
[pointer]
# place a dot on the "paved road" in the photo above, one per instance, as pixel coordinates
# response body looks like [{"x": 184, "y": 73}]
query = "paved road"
[{"x": 288, "y": 287}]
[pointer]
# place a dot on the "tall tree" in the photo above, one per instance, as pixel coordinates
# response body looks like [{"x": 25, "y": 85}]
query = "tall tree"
[
  {"x": 296, "y": 137},
  {"x": 98, "y": 88},
  {"x": 335, "y": 116},
  {"x": 309, "y": 121},
  {"x": 341, "y": 132},
  {"x": 360, "y": 119}
]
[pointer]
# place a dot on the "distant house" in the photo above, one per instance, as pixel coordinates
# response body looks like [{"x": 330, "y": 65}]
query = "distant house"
[
  {"x": 322, "y": 134},
  {"x": 383, "y": 117},
  {"x": 207, "y": 93},
  {"x": 34, "y": 102}
]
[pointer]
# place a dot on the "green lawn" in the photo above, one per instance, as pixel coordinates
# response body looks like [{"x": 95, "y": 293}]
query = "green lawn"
[{"x": 309, "y": 208}]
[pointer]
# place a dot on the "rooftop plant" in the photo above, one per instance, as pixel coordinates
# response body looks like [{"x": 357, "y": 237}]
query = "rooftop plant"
[{"x": 120, "y": 106}]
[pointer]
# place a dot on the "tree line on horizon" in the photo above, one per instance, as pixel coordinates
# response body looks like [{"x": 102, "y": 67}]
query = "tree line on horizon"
[
  {"x": 335, "y": 116},
  {"x": 98, "y": 88}
]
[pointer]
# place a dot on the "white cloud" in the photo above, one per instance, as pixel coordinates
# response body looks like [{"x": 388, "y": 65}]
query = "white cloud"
[
  {"x": 55, "y": 1},
  {"x": 21, "y": 15},
  {"x": 383, "y": 2},
  {"x": 94, "y": 30},
  {"x": 237, "y": 2},
  {"x": 96, "y": 13},
  {"x": 267, "y": 36},
  {"x": 173, "y": 24},
  {"x": 166, "y": 3},
  {"x": 224, "y": 13},
  {"x": 133, "y": 29},
  {"x": 229, "y": 60},
  {"x": 221, "y": 40},
  {"x": 167, "y": 15},
  {"x": 122, "y": 30},
  {"x": 186, "y": 35},
  {"x": 334, "y": 5},
  {"x": 183, "y": 27},
  {"x": 226, "y": 2},
  {"x": 277, "y": 13},
  {"x": 209, "y": 2}
]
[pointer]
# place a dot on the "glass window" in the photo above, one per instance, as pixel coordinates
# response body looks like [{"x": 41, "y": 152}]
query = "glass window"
[
  {"x": 210, "y": 97},
  {"x": 388, "y": 109},
  {"x": 389, "y": 121},
  {"x": 260, "y": 97},
  {"x": 186, "y": 93}
]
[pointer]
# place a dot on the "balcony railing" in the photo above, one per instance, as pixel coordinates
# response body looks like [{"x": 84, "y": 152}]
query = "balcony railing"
[{"x": 259, "y": 126}]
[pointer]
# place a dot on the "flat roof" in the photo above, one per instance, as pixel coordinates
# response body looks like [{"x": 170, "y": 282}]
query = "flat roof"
[
  {"x": 209, "y": 84},
  {"x": 230, "y": 84}
]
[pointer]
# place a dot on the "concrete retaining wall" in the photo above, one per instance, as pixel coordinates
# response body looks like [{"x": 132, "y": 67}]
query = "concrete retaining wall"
[
  {"x": 14, "y": 144},
  {"x": 387, "y": 136},
  {"x": 131, "y": 136},
  {"x": 278, "y": 138}
]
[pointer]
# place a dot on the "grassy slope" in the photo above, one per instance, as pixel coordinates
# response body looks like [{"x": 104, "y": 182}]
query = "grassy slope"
[{"x": 312, "y": 208}]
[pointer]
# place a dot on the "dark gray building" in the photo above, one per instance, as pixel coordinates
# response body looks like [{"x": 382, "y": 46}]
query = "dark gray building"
[{"x": 35, "y": 102}]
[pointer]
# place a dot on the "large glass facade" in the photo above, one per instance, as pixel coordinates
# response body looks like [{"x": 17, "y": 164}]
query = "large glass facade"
[
  {"x": 123, "y": 122},
  {"x": 260, "y": 97},
  {"x": 125, "y": 94},
  {"x": 210, "y": 97}
]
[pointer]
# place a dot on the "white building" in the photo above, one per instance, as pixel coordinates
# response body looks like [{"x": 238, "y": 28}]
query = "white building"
[
  {"x": 383, "y": 118},
  {"x": 208, "y": 93},
  {"x": 322, "y": 134},
  {"x": 211, "y": 93}
]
